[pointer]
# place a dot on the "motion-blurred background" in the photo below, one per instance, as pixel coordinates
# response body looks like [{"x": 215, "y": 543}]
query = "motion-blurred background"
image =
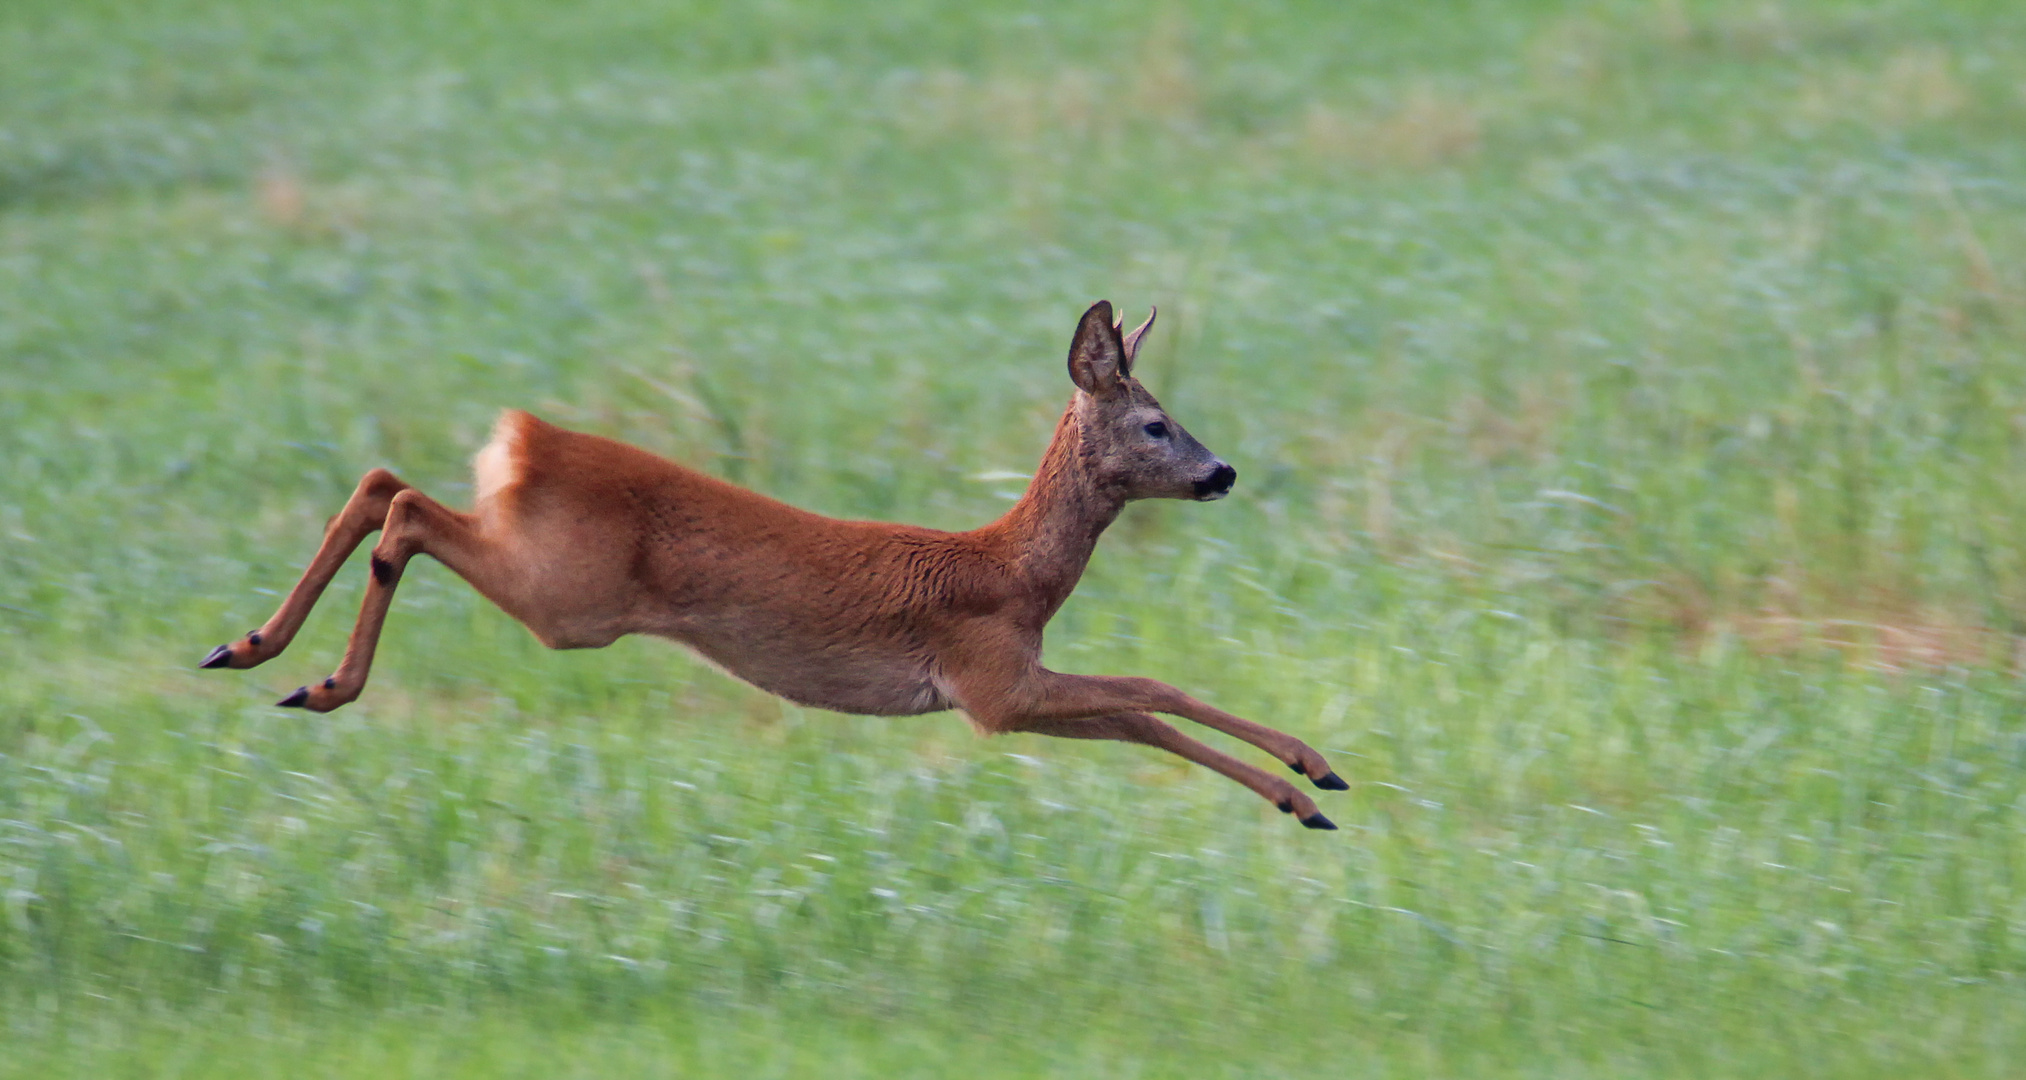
[{"x": 1629, "y": 404}]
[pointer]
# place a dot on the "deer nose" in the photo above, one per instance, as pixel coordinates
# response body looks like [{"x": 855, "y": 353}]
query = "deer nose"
[{"x": 1217, "y": 484}]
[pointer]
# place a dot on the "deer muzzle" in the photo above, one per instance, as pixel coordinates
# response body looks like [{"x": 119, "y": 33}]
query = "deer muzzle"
[{"x": 1218, "y": 484}]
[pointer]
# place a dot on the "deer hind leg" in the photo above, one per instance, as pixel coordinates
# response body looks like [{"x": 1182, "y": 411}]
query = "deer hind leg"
[
  {"x": 415, "y": 524},
  {"x": 362, "y": 516},
  {"x": 1137, "y": 727}
]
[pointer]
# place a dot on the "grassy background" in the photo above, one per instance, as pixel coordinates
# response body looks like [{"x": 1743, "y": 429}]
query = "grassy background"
[{"x": 1628, "y": 406}]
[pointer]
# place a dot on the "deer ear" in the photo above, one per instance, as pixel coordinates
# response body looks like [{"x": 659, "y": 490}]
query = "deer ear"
[{"x": 1097, "y": 359}]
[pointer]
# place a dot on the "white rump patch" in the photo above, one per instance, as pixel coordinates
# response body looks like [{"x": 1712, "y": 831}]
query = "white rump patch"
[{"x": 498, "y": 463}]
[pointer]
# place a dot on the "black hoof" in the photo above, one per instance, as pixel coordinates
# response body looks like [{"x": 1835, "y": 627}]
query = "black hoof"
[
  {"x": 1333, "y": 782},
  {"x": 295, "y": 700},
  {"x": 219, "y": 657},
  {"x": 1317, "y": 821}
]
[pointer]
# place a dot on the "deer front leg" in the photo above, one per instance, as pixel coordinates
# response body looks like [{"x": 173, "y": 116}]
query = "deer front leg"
[
  {"x": 1051, "y": 694},
  {"x": 363, "y": 514},
  {"x": 1138, "y": 727},
  {"x": 415, "y": 523}
]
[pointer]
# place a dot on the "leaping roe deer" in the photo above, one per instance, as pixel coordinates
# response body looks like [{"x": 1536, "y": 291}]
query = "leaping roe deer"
[{"x": 586, "y": 540}]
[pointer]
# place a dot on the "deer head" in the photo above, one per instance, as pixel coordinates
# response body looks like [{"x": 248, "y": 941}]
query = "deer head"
[{"x": 1130, "y": 443}]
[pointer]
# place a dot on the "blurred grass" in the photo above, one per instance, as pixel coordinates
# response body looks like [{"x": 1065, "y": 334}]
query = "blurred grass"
[{"x": 1627, "y": 402}]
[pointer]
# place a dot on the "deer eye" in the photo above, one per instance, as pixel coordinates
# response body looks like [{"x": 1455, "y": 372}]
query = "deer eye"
[{"x": 1156, "y": 429}]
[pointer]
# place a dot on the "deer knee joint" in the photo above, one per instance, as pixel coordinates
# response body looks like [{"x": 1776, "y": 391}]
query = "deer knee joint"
[
  {"x": 401, "y": 510},
  {"x": 1155, "y": 695},
  {"x": 379, "y": 480},
  {"x": 397, "y": 536}
]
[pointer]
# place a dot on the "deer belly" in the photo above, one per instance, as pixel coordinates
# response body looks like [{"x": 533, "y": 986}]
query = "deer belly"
[{"x": 842, "y": 680}]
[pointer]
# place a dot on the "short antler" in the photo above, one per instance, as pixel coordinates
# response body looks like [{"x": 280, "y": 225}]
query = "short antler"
[{"x": 1132, "y": 340}]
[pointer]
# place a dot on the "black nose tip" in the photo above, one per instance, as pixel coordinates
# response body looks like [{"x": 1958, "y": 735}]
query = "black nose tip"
[{"x": 1217, "y": 483}]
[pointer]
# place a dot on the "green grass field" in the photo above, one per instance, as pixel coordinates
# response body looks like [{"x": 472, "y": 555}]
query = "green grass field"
[{"x": 1629, "y": 404}]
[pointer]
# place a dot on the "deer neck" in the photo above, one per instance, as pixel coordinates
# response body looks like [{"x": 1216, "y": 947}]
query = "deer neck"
[{"x": 1053, "y": 529}]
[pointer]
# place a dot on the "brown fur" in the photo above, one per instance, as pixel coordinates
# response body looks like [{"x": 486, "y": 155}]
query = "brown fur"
[{"x": 586, "y": 540}]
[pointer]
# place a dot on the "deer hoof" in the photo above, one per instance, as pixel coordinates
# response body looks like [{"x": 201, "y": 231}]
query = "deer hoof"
[
  {"x": 1332, "y": 782},
  {"x": 219, "y": 657},
  {"x": 295, "y": 700},
  {"x": 1317, "y": 821}
]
